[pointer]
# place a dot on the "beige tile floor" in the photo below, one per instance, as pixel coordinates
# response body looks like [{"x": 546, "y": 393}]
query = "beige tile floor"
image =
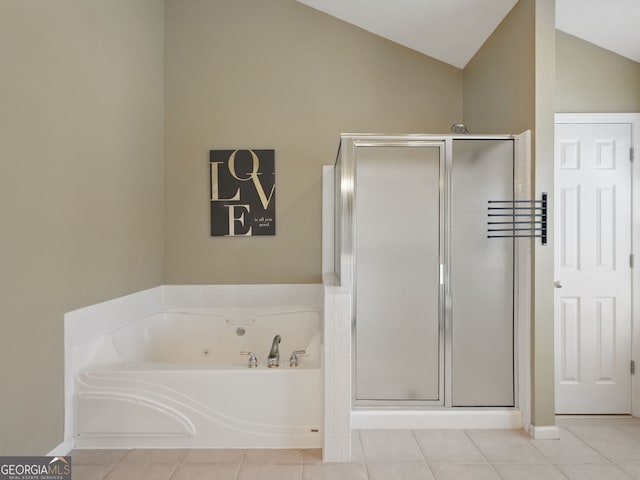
[{"x": 589, "y": 448}]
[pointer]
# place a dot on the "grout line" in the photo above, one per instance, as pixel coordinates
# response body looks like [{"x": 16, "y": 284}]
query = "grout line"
[
  {"x": 495, "y": 471},
  {"x": 415, "y": 439},
  {"x": 243, "y": 458},
  {"x": 560, "y": 472},
  {"x": 366, "y": 470},
  {"x": 575, "y": 434},
  {"x": 184, "y": 455},
  {"x": 239, "y": 466},
  {"x": 430, "y": 470},
  {"x": 106, "y": 473},
  {"x": 491, "y": 465},
  {"x": 466, "y": 433},
  {"x": 617, "y": 465},
  {"x": 532, "y": 442},
  {"x": 175, "y": 469},
  {"x": 358, "y": 445},
  {"x": 555, "y": 467}
]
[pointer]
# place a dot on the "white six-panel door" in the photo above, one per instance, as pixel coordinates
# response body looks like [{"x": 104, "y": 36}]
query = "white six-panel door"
[{"x": 592, "y": 268}]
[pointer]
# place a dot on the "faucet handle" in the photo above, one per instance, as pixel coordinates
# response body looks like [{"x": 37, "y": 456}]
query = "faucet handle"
[
  {"x": 293, "y": 359},
  {"x": 253, "y": 360}
]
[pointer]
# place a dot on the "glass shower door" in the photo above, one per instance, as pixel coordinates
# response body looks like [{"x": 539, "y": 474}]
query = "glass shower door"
[
  {"x": 482, "y": 276},
  {"x": 398, "y": 211}
]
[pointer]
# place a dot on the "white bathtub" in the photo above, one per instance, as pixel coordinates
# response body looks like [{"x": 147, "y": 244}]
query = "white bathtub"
[{"x": 176, "y": 379}]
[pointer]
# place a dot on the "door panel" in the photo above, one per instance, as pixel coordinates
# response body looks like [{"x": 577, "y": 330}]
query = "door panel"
[
  {"x": 397, "y": 213},
  {"x": 592, "y": 248}
]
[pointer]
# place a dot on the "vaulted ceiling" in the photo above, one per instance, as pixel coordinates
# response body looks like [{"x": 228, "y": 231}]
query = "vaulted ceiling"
[{"x": 453, "y": 30}]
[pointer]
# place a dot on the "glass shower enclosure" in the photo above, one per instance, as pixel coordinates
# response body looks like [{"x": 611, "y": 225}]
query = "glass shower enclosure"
[{"x": 433, "y": 295}]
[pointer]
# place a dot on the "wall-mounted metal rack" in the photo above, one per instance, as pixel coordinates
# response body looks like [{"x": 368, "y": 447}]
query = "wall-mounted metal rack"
[{"x": 518, "y": 219}]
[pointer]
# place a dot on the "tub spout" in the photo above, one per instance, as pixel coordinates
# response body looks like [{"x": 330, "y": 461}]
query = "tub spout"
[{"x": 274, "y": 355}]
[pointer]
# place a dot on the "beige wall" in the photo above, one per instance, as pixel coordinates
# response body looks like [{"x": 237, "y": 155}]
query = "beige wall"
[
  {"x": 81, "y": 186},
  {"x": 499, "y": 81},
  {"x": 594, "y": 80},
  {"x": 543, "y": 355},
  {"x": 509, "y": 88},
  {"x": 278, "y": 74}
]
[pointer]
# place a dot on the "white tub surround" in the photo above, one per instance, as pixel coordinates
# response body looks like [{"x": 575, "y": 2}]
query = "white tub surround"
[
  {"x": 337, "y": 352},
  {"x": 171, "y": 407},
  {"x": 337, "y": 373},
  {"x": 175, "y": 377},
  {"x": 83, "y": 332}
]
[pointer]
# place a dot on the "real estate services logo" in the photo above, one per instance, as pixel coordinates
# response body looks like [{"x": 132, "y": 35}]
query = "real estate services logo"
[{"x": 35, "y": 468}]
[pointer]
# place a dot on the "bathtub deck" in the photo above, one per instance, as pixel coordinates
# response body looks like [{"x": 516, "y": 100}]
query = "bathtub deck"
[{"x": 601, "y": 447}]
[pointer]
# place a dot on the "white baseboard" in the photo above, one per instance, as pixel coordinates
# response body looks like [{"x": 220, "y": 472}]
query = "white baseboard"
[
  {"x": 544, "y": 433},
  {"x": 61, "y": 450}
]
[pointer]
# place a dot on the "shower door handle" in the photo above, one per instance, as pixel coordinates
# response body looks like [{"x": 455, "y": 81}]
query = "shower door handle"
[
  {"x": 441, "y": 274},
  {"x": 557, "y": 284}
]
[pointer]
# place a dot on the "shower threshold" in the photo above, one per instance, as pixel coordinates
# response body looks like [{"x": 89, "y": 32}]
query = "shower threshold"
[{"x": 458, "y": 418}]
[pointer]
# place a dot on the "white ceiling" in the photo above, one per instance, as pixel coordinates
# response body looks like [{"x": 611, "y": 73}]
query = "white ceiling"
[
  {"x": 453, "y": 30},
  {"x": 611, "y": 24}
]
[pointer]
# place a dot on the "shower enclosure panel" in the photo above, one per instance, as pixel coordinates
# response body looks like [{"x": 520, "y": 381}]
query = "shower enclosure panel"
[{"x": 481, "y": 276}]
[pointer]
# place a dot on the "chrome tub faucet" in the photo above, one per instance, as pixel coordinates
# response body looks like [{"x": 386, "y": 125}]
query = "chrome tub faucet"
[{"x": 274, "y": 355}]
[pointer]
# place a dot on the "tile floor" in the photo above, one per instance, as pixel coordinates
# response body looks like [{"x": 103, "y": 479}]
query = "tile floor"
[{"x": 590, "y": 448}]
